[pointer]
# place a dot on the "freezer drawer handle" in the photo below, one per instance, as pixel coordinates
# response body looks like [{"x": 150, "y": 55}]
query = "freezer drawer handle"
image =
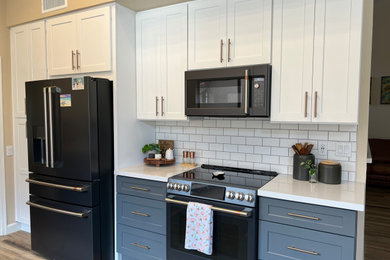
[
  {"x": 302, "y": 250},
  {"x": 302, "y": 216},
  {"x": 64, "y": 187},
  {"x": 141, "y": 246},
  {"x": 138, "y": 188},
  {"x": 65, "y": 212},
  {"x": 223, "y": 210}
]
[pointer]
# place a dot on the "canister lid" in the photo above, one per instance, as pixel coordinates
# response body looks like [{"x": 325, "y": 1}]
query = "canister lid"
[{"x": 329, "y": 162}]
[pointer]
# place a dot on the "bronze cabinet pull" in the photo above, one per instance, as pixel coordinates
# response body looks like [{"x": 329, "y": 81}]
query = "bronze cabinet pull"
[
  {"x": 77, "y": 59},
  {"x": 162, "y": 106},
  {"x": 140, "y": 214},
  {"x": 141, "y": 246},
  {"x": 138, "y": 188},
  {"x": 315, "y": 103},
  {"x": 221, "y": 51},
  {"x": 302, "y": 250},
  {"x": 73, "y": 67},
  {"x": 229, "y": 45},
  {"x": 302, "y": 216},
  {"x": 156, "y": 106},
  {"x": 306, "y": 97}
]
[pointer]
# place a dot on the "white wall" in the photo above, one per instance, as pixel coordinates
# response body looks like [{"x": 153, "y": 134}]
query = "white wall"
[{"x": 379, "y": 124}]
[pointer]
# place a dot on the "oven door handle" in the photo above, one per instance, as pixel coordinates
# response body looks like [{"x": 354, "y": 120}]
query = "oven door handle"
[{"x": 223, "y": 210}]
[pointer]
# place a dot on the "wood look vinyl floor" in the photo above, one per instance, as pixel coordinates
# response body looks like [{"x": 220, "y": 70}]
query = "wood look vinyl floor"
[{"x": 17, "y": 246}]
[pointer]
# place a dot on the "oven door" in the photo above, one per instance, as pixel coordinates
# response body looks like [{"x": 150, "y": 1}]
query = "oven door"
[{"x": 234, "y": 236}]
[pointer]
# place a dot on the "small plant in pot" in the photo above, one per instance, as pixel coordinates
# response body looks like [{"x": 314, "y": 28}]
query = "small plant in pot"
[
  {"x": 311, "y": 166},
  {"x": 302, "y": 154},
  {"x": 152, "y": 150}
]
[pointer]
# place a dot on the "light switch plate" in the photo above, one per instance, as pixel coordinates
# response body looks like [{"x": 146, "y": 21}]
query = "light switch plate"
[
  {"x": 9, "y": 150},
  {"x": 344, "y": 149}
]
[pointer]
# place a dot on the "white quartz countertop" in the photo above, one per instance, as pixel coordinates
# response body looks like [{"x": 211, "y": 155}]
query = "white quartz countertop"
[
  {"x": 347, "y": 195},
  {"x": 151, "y": 172}
]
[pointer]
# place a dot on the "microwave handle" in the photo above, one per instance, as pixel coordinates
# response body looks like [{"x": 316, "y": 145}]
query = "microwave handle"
[{"x": 246, "y": 92}]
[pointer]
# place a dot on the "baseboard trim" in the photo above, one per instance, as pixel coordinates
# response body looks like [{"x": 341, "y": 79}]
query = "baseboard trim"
[
  {"x": 25, "y": 228},
  {"x": 11, "y": 228}
]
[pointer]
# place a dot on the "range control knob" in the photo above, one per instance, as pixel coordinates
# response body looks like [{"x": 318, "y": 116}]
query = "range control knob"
[
  {"x": 169, "y": 185},
  {"x": 230, "y": 195},
  {"x": 249, "y": 197},
  {"x": 179, "y": 187},
  {"x": 186, "y": 187},
  {"x": 240, "y": 196}
]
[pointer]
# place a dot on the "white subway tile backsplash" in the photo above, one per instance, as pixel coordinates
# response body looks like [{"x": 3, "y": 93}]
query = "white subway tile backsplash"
[{"x": 256, "y": 143}]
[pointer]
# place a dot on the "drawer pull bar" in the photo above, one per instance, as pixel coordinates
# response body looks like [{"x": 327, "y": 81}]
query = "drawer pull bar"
[
  {"x": 302, "y": 216},
  {"x": 58, "y": 186},
  {"x": 138, "y": 188},
  {"x": 140, "y": 214},
  {"x": 141, "y": 246},
  {"x": 303, "y": 251},
  {"x": 223, "y": 210},
  {"x": 65, "y": 212}
]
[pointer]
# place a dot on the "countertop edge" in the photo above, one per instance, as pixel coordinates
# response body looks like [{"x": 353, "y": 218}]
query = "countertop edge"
[
  {"x": 141, "y": 176},
  {"x": 311, "y": 200}
]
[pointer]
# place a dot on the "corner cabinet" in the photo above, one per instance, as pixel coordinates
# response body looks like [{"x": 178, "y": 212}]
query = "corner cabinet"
[
  {"x": 28, "y": 62},
  {"x": 229, "y": 33},
  {"x": 316, "y": 60},
  {"x": 161, "y": 36},
  {"x": 80, "y": 42}
]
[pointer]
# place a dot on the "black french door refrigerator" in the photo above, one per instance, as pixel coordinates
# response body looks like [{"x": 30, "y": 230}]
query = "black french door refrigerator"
[{"x": 70, "y": 157}]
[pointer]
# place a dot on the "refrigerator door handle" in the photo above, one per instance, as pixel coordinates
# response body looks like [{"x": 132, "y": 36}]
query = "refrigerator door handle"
[
  {"x": 46, "y": 130},
  {"x": 51, "y": 127},
  {"x": 61, "y": 211}
]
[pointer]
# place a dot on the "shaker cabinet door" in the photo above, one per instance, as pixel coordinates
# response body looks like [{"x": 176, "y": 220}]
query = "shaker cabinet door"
[
  {"x": 292, "y": 60},
  {"x": 207, "y": 34},
  {"x": 61, "y": 45},
  {"x": 249, "y": 32},
  {"x": 337, "y": 53},
  {"x": 148, "y": 39},
  {"x": 94, "y": 35}
]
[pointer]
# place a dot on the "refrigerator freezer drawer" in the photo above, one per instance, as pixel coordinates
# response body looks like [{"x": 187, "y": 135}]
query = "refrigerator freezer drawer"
[
  {"x": 63, "y": 190},
  {"x": 63, "y": 231}
]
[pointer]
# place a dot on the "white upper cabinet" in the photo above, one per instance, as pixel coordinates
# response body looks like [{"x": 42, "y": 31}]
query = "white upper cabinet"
[
  {"x": 337, "y": 55},
  {"x": 80, "y": 42},
  {"x": 229, "y": 33},
  {"x": 207, "y": 34},
  {"x": 28, "y": 60},
  {"x": 316, "y": 60},
  {"x": 161, "y": 63},
  {"x": 249, "y": 32},
  {"x": 292, "y": 60}
]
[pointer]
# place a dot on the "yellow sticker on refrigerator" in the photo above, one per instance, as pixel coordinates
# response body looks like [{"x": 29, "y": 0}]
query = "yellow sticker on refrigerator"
[{"x": 65, "y": 100}]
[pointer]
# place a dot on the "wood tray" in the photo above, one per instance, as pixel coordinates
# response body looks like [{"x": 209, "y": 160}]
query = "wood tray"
[{"x": 158, "y": 162}]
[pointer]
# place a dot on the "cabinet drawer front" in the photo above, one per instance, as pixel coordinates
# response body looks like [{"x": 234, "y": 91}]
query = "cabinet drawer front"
[
  {"x": 278, "y": 241},
  {"x": 141, "y": 188},
  {"x": 140, "y": 244},
  {"x": 141, "y": 213},
  {"x": 338, "y": 221}
]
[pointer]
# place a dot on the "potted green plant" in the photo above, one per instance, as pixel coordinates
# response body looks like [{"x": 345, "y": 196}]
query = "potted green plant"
[
  {"x": 312, "y": 167},
  {"x": 152, "y": 150}
]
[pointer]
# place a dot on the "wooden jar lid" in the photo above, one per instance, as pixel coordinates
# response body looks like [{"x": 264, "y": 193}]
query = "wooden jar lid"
[{"x": 330, "y": 162}]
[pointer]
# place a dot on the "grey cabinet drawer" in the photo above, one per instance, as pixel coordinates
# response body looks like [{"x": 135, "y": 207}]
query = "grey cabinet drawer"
[
  {"x": 141, "y": 213},
  {"x": 141, "y": 188},
  {"x": 332, "y": 220},
  {"x": 139, "y": 244},
  {"x": 278, "y": 242}
]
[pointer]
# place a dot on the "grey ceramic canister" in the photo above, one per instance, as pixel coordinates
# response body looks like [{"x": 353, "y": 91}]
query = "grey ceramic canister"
[{"x": 299, "y": 172}]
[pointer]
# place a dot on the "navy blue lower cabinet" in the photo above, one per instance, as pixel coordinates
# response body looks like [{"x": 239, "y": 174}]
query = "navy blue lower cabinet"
[
  {"x": 280, "y": 242},
  {"x": 138, "y": 244}
]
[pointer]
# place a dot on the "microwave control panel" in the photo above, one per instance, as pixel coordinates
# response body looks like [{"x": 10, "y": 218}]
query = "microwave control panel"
[{"x": 258, "y": 93}]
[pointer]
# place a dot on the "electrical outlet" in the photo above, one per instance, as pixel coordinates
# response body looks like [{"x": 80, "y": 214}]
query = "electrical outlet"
[
  {"x": 9, "y": 150},
  {"x": 322, "y": 148}
]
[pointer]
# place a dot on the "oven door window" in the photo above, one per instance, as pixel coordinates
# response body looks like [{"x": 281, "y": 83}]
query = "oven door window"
[{"x": 233, "y": 238}]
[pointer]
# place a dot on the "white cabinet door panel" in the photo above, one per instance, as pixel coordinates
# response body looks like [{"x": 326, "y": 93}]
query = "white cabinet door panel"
[
  {"x": 94, "y": 40},
  {"x": 337, "y": 60},
  {"x": 37, "y": 35},
  {"x": 249, "y": 32},
  {"x": 148, "y": 65},
  {"x": 207, "y": 28},
  {"x": 174, "y": 61},
  {"x": 292, "y": 60},
  {"x": 61, "y": 43}
]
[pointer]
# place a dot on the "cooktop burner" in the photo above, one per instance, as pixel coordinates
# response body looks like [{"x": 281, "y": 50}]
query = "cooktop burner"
[{"x": 228, "y": 184}]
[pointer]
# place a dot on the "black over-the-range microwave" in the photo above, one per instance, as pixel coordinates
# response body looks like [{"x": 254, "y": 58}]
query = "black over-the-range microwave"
[{"x": 229, "y": 92}]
